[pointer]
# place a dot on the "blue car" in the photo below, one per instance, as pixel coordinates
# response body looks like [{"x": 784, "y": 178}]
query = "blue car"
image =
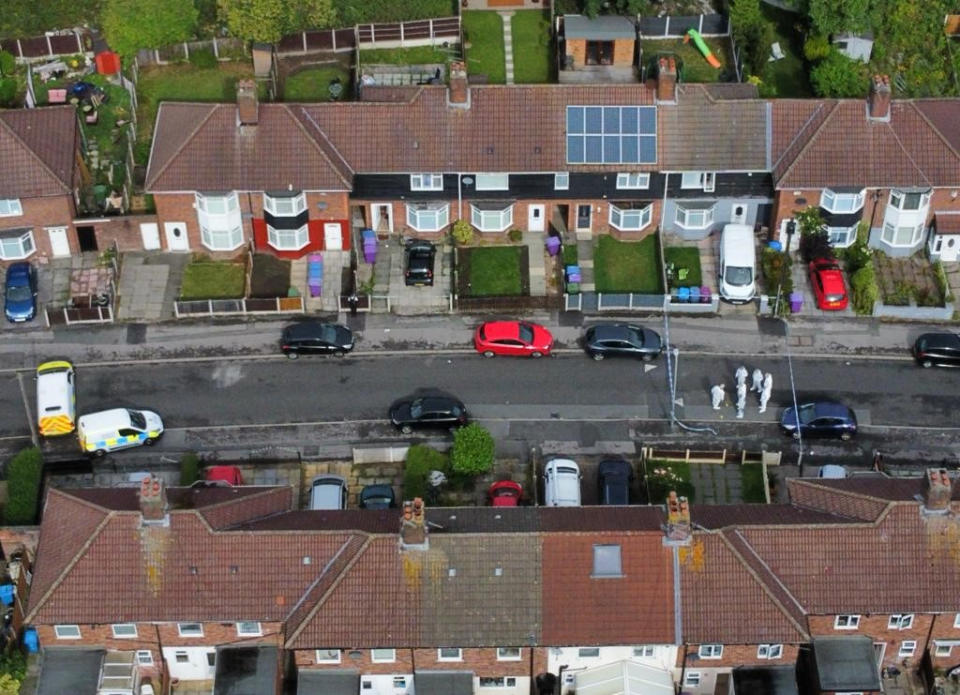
[
  {"x": 20, "y": 293},
  {"x": 823, "y": 418}
]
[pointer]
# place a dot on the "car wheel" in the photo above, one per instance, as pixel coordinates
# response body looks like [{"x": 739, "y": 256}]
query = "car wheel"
[
  {"x": 406, "y": 429},
  {"x": 846, "y": 436},
  {"x": 536, "y": 355},
  {"x": 647, "y": 357},
  {"x": 100, "y": 453},
  {"x": 598, "y": 356},
  {"x": 488, "y": 353},
  {"x": 292, "y": 355},
  {"x": 796, "y": 435},
  {"x": 149, "y": 441},
  {"x": 926, "y": 364},
  {"x": 340, "y": 353}
]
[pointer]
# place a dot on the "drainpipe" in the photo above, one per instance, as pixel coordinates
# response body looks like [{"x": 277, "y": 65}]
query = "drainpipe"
[{"x": 459, "y": 196}]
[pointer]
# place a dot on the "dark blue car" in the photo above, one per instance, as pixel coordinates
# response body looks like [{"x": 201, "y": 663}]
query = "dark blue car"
[
  {"x": 20, "y": 293},
  {"x": 821, "y": 418}
]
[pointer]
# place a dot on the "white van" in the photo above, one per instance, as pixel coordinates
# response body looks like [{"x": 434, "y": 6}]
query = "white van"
[
  {"x": 561, "y": 483},
  {"x": 328, "y": 492},
  {"x": 56, "y": 399},
  {"x": 119, "y": 428},
  {"x": 738, "y": 264}
]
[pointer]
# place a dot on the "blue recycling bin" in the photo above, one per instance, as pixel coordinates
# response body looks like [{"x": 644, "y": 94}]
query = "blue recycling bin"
[
  {"x": 30, "y": 640},
  {"x": 694, "y": 295},
  {"x": 683, "y": 294},
  {"x": 368, "y": 234},
  {"x": 775, "y": 245}
]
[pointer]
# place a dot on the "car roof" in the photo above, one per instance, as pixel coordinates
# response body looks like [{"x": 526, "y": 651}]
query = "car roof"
[
  {"x": 306, "y": 329},
  {"x": 936, "y": 340},
  {"x": 613, "y": 331},
  {"x": 105, "y": 419},
  {"x": 18, "y": 271},
  {"x": 421, "y": 247},
  {"x": 495, "y": 330},
  {"x": 830, "y": 409},
  {"x": 832, "y": 280},
  {"x": 556, "y": 463}
]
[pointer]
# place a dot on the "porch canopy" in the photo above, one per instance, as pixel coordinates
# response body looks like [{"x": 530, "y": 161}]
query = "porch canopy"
[{"x": 624, "y": 678}]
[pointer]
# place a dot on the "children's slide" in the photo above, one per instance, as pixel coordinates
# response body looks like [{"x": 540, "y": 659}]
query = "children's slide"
[{"x": 702, "y": 46}]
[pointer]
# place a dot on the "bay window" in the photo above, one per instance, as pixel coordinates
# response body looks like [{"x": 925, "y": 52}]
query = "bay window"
[
  {"x": 695, "y": 216},
  {"x": 909, "y": 200},
  {"x": 841, "y": 202},
  {"x": 428, "y": 217},
  {"x": 628, "y": 219},
  {"x": 901, "y": 235},
  {"x": 221, "y": 226},
  {"x": 288, "y": 239},
  {"x": 285, "y": 205},
  {"x": 841, "y": 237},
  {"x": 16, "y": 243},
  {"x": 493, "y": 218}
]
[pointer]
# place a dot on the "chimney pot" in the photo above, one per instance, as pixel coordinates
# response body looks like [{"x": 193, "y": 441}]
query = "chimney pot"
[
  {"x": 413, "y": 527},
  {"x": 938, "y": 490},
  {"x": 248, "y": 109},
  {"x": 878, "y": 103},
  {"x": 153, "y": 499},
  {"x": 459, "y": 94},
  {"x": 667, "y": 80}
]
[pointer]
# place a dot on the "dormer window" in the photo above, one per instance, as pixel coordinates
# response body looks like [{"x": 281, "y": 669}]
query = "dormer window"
[
  {"x": 285, "y": 205},
  {"x": 832, "y": 201}
]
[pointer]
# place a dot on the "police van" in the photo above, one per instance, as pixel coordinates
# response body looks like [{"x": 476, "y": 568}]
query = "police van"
[
  {"x": 56, "y": 398},
  {"x": 118, "y": 428}
]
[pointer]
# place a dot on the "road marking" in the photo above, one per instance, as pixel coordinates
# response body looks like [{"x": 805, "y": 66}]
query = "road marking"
[{"x": 26, "y": 406}]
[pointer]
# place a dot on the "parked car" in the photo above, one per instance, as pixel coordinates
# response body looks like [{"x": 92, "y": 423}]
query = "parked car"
[
  {"x": 940, "y": 349},
  {"x": 829, "y": 289},
  {"x": 427, "y": 410},
  {"x": 621, "y": 340},
  {"x": 226, "y": 475},
  {"x": 505, "y": 493},
  {"x": 20, "y": 292},
  {"x": 316, "y": 338},
  {"x": 518, "y": 338},
  {"x": 821, "y": 418},
  {"x": 328, "y": 492},
  {"x": 561, "y": 483},
  {"x": 420, "y": 255},
  {"x": 377, "y": 497},
  {"x": 614, "y": 477}
]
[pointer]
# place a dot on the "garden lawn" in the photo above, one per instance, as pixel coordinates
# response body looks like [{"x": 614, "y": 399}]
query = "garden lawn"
[
  {"x": 661, "y": 478},
  {"x": 415, "y": 55},
  {"x": 313, "y": 84},
  {"x": 693, "y": 66},
  {"x": 483, "y": 34},
  {"x": 212, "y": 280},
  {"x": 532, "y": 47},
  {"x": 495, "y": 271},
  {"x": 627, "y": 266},
  {"x": 786, "y": 77},
  {"x": 685, "y": 257},
  {"x": 752, "y": 483}
]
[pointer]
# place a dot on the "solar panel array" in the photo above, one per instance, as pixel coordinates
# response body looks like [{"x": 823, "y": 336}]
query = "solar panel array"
[{"x": 611, "y": 134}]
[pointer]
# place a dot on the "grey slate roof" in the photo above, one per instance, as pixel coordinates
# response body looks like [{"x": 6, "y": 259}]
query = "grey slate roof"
[
  {"x": 846, "y": 663},
  {"x": 443, "y": 682},
  {"x": 603, "y": 28},
  {"x": 65, "y": 670},
  {"x": 246, "y": 670},
  {"x": 327, "y": 682}
]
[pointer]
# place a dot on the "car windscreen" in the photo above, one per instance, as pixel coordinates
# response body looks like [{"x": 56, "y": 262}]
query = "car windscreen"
[
  {"x": 807, "y": 413},
  {"x": 738, "y": 276},
  {"x": 327, "y": 334},
  {"x": 526, "y": 333},
  {"x": 834, "y": 297},
  {"x": 19, "y": 293},
  {"x": 566, "y": 470},
  {"x": 416, "y": 408},
  {"x": 137, "y": 419}
]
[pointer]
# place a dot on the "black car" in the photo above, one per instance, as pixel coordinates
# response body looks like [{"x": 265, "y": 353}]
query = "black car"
[
  {"x": 940, "y": 349},
  {"x": 621, "y": 340},
  {"x": 316, "y": 338},
  {"x": 420, "y": 255},
  {"x": 427, "y": 410},
  {"x": 613, "y": 479},
  {"x": 377, "y": 497},
  {"x": 822, "y": 418}
]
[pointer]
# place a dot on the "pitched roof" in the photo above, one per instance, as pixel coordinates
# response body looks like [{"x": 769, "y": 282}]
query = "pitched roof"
[
  {"x": 578, "y": 609},
  {"x": 38, "y": 151},
  {"x": 716, "y": 516},
  {"x": 201, "y": 147},
  {"x": 948, "y": 222}
]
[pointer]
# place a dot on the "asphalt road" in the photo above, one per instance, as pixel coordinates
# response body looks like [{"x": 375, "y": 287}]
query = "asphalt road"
[{"x": 314, "y": 405}]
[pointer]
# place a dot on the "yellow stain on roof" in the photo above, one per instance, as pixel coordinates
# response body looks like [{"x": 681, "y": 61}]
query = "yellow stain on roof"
[{"x": 692, "y": 556}]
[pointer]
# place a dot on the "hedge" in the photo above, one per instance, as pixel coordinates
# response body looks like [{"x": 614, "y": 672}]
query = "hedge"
[
  {"x": 421, "y": 459},
  {"x": 24, "y": 475},
  {"x": 473, "y": 450},
  {"x": 189, "y": 470}
]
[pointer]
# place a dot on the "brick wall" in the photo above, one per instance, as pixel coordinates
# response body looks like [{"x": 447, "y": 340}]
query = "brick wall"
[
  {"x": 735, "y": 655},
  {"x": 53, "y": 211},
  {"x": 482, "y": 661},
  {"x": 943, "y": 630},
  {"x": 123, "y": 231},
  {"x": 153, "y": 636},
  {"x": 875, "y": 627}
]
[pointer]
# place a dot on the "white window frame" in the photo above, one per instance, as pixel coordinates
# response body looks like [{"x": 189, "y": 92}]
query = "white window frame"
[
  {"x": 907, "y": 649},
  {"x": 181, "y": 657},
  {"x": 189, "y": 632},
  {"x": 710, "y": 651},
  {"x": 846, "y": 622},
  {"x": 561, "y": 181},
  {"x": 275, "y": 237},
  {"x": 633, "y": 180},
  {"x": 898, "y": 198},
  {"x": 890, "y": 233},
  {"x": 399, "y": 682},
  {"x": 220, "y": 231},
  {"x": 590, "y": 655},
  {"x": 26, "y": 246},
  {"x": 122, "y": 630},
  {"x": 491, "y": 182},
  {"x": 144, "y": 657},
  {"x": 441, "y": 657},
  {"x": 439, "y": 214},
  {"x": 841, "y": 237},
  {"x": 942, "y": 648},
  {"x": 645, "y": 651},
  {"x": 599, "y": 551},
  {"x": 900, "y": 621},
  {"x": 426, "y": 182},
  {"x": 298, "y": 204},
  {"x": 10, "y": 207},
  {"x": 691, "y": 679},
  {"x": 702, "y": 180},
  {"x": 501, "y": 682},
  {"x": 770, "y": 651},
  {"x": 956, "y": 620},
  {"x": 841, "y": 203},
  {"x": 67, "y": 631},
  {"x": 257, "y": 632},
  {"x": 491, "y": 220},
  {"x": 323, "y": 656},
  {"x": 381, "y": 659},
  {"x": 622, "y": 218},
  {"x": 512, "y": 657},
  {"x": 682, "y": 214}
]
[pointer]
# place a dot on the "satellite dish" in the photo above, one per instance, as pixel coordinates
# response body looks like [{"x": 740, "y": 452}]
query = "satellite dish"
[{"x": 467, "y": 180}]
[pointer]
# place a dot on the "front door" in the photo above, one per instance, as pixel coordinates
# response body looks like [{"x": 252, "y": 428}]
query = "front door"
[
  {"x": 176, "y": 236},
  {"x": 535, "y": 217},
  {"x": 332, "y": 236},
  {"x": 59, "y": 244},
  {"x": 599, "y": 52},
  {"x": 382, "y": 220},
  {"x": 150, "y": 233},
  {"x": 583, "y": 217},
  {"x": 950, "y": 248},
  {"x": 739, "y": 215}
]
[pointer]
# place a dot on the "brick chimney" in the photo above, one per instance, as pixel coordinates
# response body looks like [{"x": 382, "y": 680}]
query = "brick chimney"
[
  {"x": 248, "y": 112},
  {"x": 937, "y": 490},
  {"x": 878, "y": 103},
  {"x": 153, "y": 499},
  {"x": 459, "y": 94},
  {"x": 678, "y": 530},
  {"x": 667, "y": 81},
  {"x": 413, "y": 526}
]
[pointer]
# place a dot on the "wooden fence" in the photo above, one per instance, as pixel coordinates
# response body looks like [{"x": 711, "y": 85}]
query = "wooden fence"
[
  {"x": 48, "y": 46},
  {"x": 723, "y": 456},
  {"x": 226, "y": 307},
  {"x": 224, "y": 49},
  {"x": 334, "y": 40},
  {"x": 421, "y": 32}
]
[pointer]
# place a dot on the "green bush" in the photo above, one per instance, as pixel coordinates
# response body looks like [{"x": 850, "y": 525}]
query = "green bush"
[
  {"x": 858, "y": 254},
  {"x": 942, "y": 281},
  {"x": 515, "y": 235},
  {"x": 863, "y": 290},
  {"x": 189, "y": 469},
  {"x": 570, "y": 256},
  {"x": 203, "y": 58},
  {"x": 462, "y": 232},
  {"x": 7, "y": 63},
  {"x": 900, "y": 296},
  {"x": 421, "y": 459},
  {"x": 472, "y": 452},
  {"x": 13, "y": 663},
  {"x": 24, "y": 475},
  {"x": 8, "y": 91},
  {"x": 775, "y": 266}
]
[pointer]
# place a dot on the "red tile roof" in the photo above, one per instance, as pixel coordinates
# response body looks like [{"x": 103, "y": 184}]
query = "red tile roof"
[
  {"x": 637, "y": 608},
  {"x": 38, "y": 151},
  {"x": 948, "y": 223}
]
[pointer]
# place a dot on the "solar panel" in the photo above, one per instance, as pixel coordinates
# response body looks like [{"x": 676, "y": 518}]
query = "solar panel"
[{"x": 611, "y": 134}]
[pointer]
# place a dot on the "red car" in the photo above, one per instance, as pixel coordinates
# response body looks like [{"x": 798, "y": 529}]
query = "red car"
[
  {"x": 505, "y": 493},
  {"x": 512, "y": 338},
  {"x": 828, "y": 286},
  {"x": 229, "y": 475}
]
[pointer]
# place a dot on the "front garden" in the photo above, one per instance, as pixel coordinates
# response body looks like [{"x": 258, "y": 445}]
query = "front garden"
[
  {"x": 627, "y": 266},
  {"x": 492, "y": 271},
  {"x": 204, "y": 278}
]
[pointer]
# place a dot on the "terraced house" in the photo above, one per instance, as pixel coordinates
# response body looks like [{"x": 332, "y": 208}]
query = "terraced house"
[{"x": 228, "y": 589}]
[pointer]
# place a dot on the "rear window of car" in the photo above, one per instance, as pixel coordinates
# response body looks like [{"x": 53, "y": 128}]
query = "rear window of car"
[{"x": 526, "y": 333}]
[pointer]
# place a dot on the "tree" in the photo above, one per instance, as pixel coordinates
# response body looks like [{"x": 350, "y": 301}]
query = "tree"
[
  {"x": 752, "y": 32},
  {"x": 836, "y": 16},
  {"x": 268, "y": 20},
  {"x": 838, "y": 76},
  {"x": 472, "y": 451},
  {"x": 24, "y": 474},
  {"x": 130, "y": 25}
]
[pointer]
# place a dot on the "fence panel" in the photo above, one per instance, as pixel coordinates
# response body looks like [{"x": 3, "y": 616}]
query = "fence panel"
[
  {"x": 675, "y": 27},
  {"x": 35, "y": 47},
  {"x": 504, "y": 303},
  {"x": 65, "y": 44},
  {"x": 65, "y": 317}
]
